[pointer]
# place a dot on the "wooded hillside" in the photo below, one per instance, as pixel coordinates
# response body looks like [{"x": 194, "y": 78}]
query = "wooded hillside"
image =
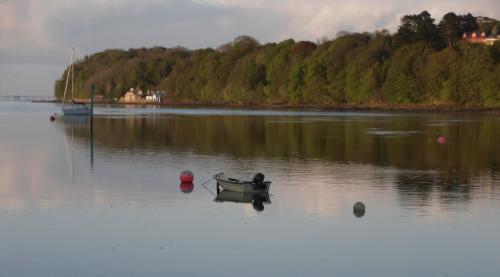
[{"x": 422, "y": 63}]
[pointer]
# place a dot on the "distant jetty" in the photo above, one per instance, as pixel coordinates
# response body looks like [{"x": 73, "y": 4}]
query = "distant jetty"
[{"x": 28, "y": 98}]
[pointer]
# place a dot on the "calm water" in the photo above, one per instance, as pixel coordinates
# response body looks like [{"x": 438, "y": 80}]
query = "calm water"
[{"x": 110, "y": 203}]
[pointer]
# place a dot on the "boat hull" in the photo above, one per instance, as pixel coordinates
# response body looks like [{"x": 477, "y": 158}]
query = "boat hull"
[
  {"x": 77, "y": 110},
  {"x": 239, "y": 186}
]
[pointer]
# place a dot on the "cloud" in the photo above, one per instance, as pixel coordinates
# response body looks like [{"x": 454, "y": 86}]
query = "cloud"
[
  {"x": 23, "y": 23},
  {"x": 29, "y": 24},
  {"x": 318, "y": 18}
]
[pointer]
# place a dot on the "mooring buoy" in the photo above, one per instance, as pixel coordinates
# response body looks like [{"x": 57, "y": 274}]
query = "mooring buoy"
[
  {"x": 359, "y": 209},
  {"x": 187, "y": 176}
]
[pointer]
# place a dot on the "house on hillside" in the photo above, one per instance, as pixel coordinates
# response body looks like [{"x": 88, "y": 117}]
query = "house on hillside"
[
  {"x": 474, "y": 37},
  {"x": 480, "y": 37}
]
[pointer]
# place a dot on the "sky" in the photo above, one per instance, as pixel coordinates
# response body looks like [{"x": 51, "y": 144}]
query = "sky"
[{"x": 36, "y": 35}]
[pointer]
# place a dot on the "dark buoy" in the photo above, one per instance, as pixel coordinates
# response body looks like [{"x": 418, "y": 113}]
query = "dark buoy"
[
  {"x": 187, "y": 176},
  {"x": 359, "y": 209},
  {"x": 441, "y": 140},
  {"x": 186, "y": 187},
  {"x": 52, "y": 118}
]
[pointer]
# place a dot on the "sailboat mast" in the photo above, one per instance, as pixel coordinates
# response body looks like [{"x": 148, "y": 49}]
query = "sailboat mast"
[
  {"x": 67, "y": 77},
  {"x": 76, "y": 108},
  {"x": 72, "y": 70}
]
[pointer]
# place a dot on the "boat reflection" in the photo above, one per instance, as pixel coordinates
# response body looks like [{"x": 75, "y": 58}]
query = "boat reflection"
[
  {"x": 77, "y": 128},
  {"x": 256, "y": 198},
  {"x": 79, "y": 121}
]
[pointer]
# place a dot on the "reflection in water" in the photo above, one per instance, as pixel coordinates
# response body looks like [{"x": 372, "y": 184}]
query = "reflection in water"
[
  {"x": 125, "y": 216},
  {"x": 419, "y": 188},
  {"x": 409, "y": 143},
  {"x": 186, "y": 187},
  {"x": 72, "y": 123},
  {"x": 344, "y": 141},
  {"x": 256, "y": 198}
]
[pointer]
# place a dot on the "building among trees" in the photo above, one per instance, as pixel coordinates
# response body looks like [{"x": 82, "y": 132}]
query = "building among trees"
[
  {"x": 475, "y": 37},
  {"x": 137, "y": 96},
  {"x": 481, "y": 37},
  {"x": 131, "y": 97}
]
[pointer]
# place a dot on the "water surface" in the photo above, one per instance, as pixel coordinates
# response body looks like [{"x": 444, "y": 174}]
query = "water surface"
[{"x": 109, "y": 203}]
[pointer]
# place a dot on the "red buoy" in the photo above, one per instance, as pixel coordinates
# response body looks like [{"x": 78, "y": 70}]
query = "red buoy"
[
  {"x": 186, "y": 187},
  {"x": 187, "y": 176},
  {"x": 441, "y": 140}
]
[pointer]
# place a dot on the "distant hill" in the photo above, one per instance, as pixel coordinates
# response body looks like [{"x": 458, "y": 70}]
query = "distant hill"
[
  {"x": 423, "y": 63},
  {"x": 484, "y": 19},
  {"x": 488, "y": 25}
]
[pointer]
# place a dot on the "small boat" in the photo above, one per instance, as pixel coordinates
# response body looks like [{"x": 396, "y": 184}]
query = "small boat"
[
  {"x": 257, "y": 184},
  {"x": 74, "y": 108}
]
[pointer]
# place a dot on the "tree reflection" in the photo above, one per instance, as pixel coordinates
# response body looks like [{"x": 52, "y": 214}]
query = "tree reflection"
[
  {"x": 415, "y": 188},
  {"x": 419, "y": 188},
  {"x": 408, "y": 143}
]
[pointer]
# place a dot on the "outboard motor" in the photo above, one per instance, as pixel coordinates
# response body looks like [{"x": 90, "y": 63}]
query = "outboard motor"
[{"x": 258, "y": 181}]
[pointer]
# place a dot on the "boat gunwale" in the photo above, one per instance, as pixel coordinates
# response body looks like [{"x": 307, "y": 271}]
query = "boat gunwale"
[{"x": 235, "y": 181}]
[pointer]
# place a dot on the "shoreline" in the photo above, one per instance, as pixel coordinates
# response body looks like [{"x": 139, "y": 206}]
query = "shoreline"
[
  {"x": 346, "y": 107},
  {"x": 339, "y": 107}
]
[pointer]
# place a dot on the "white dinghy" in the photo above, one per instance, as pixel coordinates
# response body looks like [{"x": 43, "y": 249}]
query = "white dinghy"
[{"x": 257, "y": 184}]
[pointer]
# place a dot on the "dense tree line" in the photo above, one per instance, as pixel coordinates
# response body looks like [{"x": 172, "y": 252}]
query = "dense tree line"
[{"x": 422, "y": 63}]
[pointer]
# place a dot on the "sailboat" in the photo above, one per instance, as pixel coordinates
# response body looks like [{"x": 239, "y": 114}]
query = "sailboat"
[{"x": 73, "y": 108}]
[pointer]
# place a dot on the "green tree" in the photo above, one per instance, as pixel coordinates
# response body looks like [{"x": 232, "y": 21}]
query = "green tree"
[
  {"x": 416, "y": 28},
  {"x": 450, "y": 28},
  {"x": 468, "y": 23}
]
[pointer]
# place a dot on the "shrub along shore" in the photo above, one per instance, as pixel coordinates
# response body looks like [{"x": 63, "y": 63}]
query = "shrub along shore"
[{"x": 423, "y": 66}]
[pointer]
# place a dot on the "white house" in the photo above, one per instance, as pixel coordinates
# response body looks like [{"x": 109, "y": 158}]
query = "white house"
[{"x": 130, "y": 97}]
